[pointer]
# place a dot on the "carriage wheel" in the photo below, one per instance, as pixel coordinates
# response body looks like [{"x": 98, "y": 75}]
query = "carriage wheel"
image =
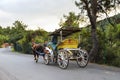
[
  {"x": 82, "y": 58},
  {"x": 46, "y": 59},
  {"x": 63, "y": 59}
]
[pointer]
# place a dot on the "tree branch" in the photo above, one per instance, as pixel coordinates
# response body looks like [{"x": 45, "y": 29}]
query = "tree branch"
[{"x": 107, "y": 16}]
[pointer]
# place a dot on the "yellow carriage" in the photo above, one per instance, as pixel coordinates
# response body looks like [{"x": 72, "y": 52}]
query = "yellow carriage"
[{"x": 66, "y": 49}]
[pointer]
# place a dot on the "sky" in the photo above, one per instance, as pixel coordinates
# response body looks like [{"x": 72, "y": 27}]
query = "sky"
[{"x": 45, "y": 14}]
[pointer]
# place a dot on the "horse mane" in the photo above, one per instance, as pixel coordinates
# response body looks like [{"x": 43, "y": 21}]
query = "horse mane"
[{"x": 38, "y": 47}]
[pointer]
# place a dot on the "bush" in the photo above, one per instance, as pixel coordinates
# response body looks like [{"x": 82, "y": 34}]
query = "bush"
[
  {"x": 17, "y": 47},
  {"x": 26, "y": 48},
  {"x": 116, "y": 62}
]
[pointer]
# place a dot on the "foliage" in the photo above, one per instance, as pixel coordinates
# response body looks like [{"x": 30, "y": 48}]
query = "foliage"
[
  {"x": 112, "y": 45},
  {"x": 70, "y": 20},
  {"x": 3, "y": 39},
  {"x": 20, "y": 37},
  {"x": 85, "y": 39},
  {"x": 109, "y": 44}
]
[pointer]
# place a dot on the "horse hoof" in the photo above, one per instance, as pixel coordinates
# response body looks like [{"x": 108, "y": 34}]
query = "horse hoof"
[{"x": 36, "y": 60}]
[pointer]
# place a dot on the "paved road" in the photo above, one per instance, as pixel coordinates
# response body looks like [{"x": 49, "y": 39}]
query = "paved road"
[{"x": 15, "y": 66}]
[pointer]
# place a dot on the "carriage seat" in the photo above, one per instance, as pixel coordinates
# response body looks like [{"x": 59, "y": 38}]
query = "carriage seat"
[{"x": 68, "y": 43}]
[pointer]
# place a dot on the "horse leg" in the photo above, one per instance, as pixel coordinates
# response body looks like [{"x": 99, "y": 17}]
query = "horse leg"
[
  {"x": 37, "y": 56},
  {"x": 34, "y": 55}
]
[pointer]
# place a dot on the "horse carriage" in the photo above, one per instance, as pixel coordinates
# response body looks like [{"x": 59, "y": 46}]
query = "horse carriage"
[{"x": 62, "y": 49}]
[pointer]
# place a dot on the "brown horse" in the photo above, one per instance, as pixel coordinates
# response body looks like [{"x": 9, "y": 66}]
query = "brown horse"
[{"x": 37, "y": 48}]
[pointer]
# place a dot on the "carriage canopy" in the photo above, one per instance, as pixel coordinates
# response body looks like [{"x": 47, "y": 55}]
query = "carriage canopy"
[{"x": 66, "y": 31}]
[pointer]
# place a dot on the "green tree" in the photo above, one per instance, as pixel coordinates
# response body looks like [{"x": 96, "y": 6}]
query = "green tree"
[
  {"x": 18, "y": 25},
  {"x": 3, "y": 39},
  {"x": 16, "y": 33},
  {"x": 3, "y": 35},
  {"x": 92, "y": 8},
  {"x": 71, "y": 20},
  {"x": 112, "y": 45}
]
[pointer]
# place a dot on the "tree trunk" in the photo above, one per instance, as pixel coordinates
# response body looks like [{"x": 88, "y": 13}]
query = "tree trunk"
[
  {"x": 92, "y": 11},
  {"x": 94, "y": 50}
]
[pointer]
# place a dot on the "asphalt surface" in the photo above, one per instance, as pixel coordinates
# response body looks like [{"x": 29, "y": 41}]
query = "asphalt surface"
[{"x": 17, "y": 66}]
